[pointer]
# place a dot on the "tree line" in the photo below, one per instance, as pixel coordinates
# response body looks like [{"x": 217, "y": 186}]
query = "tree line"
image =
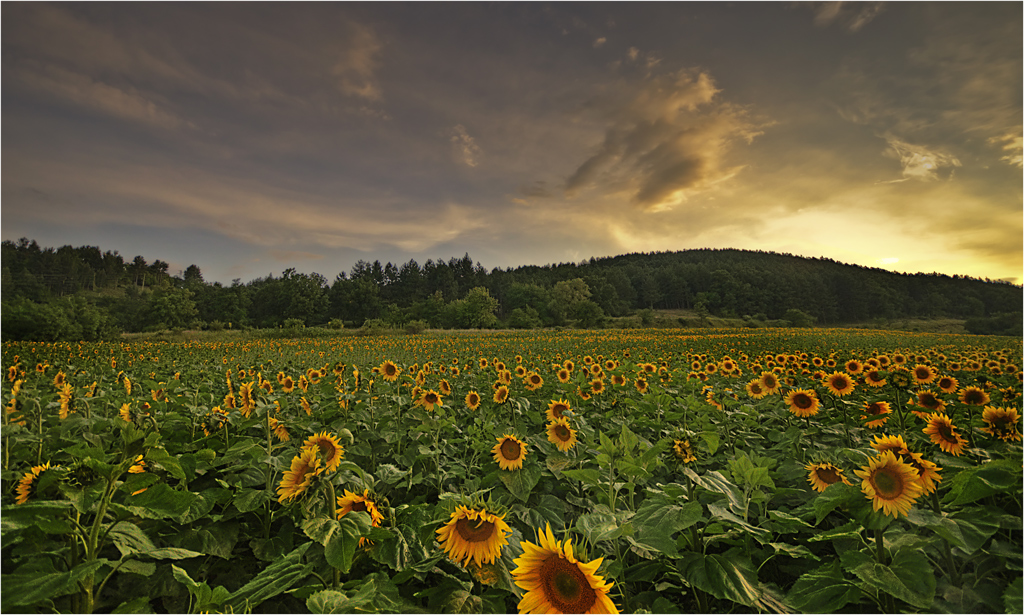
[{"x": 84, "y": 293}]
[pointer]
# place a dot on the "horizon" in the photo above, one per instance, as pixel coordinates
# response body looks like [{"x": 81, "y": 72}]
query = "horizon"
[{"x": 251, "y": 140}]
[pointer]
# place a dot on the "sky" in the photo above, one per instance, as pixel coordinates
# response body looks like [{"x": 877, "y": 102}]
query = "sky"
[{"x": 249, "y": 138}]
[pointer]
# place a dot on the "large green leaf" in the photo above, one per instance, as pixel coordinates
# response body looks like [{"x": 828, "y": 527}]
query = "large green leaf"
[
  {"x": 823, "y": 590},
  {"x": 1000, "y": 476},
  {"x": 521, "y": 482},
  {"x": 908, "y": 577},
  {"x": 658, "y": 519},
  {"x": 716, "y": 482},
  {"x": 22, "y": 589},
  {"x": 160, "y": 502},
  {"x": 587, "y": 476},
  {"x": 727, "y": 576},
  {"x": 275, "y": 579},
  {"x": 1013, "y": 597}
]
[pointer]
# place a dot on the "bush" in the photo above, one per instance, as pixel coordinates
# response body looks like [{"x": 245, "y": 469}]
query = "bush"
[
  {"x": 294, "y": 323},
  {"x": 415, "y": 327},
  {"x": 336, "y": 323},
  {"x": 215, "y": 325}
]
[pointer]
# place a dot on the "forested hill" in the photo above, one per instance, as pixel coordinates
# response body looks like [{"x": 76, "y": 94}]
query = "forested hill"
[{"x": 85, "y": 293}]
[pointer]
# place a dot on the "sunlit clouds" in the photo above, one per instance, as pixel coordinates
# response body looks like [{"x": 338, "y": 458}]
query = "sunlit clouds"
[{"x": 250, "y": 139}]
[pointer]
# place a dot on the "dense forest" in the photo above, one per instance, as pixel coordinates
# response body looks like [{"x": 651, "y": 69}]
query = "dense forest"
[{"x": 86, "y": 294}]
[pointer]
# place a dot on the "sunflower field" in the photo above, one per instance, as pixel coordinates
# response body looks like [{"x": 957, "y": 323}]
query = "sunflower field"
[{"x": 775, "y": 470}]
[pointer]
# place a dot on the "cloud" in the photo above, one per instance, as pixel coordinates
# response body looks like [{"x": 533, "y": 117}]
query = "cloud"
[
  {"x": 465, "y": 148},
  {"x": 599, "y": 42},
  {"x": 851, "y": 15},
  {"x": 1014, "y": 144},
  {"x": 357, "y": 63},
  {"x": 286, "y": 256},
  {"x": 669, "y": 141},
  {"x": 918, "y": 161}
]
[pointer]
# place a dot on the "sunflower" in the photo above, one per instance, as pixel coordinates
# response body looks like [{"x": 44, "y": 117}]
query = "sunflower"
[
  {"x": 389, "y": 371},
  {"x": 875, "y": 413},
  {"x": 755, "y": 390},
  {"x": 618, "y": 380},
  {"x": 901, "y": 378},
  {"x": 295, "y": 480},
  {"x": 942, "y": 432},
  {"x": 305, "y": 406},
  {"x": 245, "y": 393},
  {"x": 947, "y": 384},
  {"x": 327, "y": 447},
  {"x": 360, "y": 503},
  {"x": 683, "y": 451},
  {"x": 974, "y": 396},
  {"x": 534, "y": 381},
  {"x": 895, "y": 444},
  {"x": 930, "y": 401},
  {"x": 473, "y": 535},
  {"x": 839, "y": 384},
  {"x": 854, "y": 367},
  {"x": 874, "y": 378},
  {"x": 28, "y": 482},
  {"x": 501, "y": 394},
  {"x": 67, "y": 394},
  {"x": 924, "y": 374},
  {"x": 429, "y": 399},
  {"x": 803, "y": 402},
  {"x": 509, "y": 452},
  {"x": 555, "y": 582},
  {"x": 769, "y": 382},
  {"x": 446, "y": 389},
  {"x": 561, "y": 434},
  {"x": 472, "y": 400},
  {"x": 927, "y": 472},
  {"x": 1001, "y": 423},
  {"x": 304, "y": 384},
  {"x": 557, "y": 408},
  {"x": 279, "y": 430},
  {"x": 597, "y": 387},
  {"x": 891, "y": 485},
  {"x": 520, "y": 371},
  {"x": 564, "y": 375},
  {"x": 821, "y": 475},
  {"x": 138, "y": 466},
  {"x": 641, "y": 385}
]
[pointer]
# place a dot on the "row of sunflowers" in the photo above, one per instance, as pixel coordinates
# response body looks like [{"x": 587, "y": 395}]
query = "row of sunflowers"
[{"x": 642, "y": 471}]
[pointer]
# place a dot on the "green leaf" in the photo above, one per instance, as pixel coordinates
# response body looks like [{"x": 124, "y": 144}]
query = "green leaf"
[
  {"x": 848, "y": 530},
  {"x": 598, "y": 526},
  {"x": 966, "y": 531},
  {"x": 711, "y": 440},
  {"x": 838, "y": 495},
  {"x": 249, "y": 500},
  {"x": 160, "y": 501},
  {"x": 908, "y": 577},
  {"x": 134, "y": 566},
  {"x": 719, "y": 512},
  {"x": 823, "y": 591},
  {"x": 214, "y": 539},
  {"x": 1000, "y": 476},
  {"x": 726, "y": 576},
  {"x": 659, "y": 518},
  {"x": 136, "y": 605},
  {"x": 1013, "y": 597},
  {"x": 275, "y": 579},
  {"x": 521, "y": 482},
  {"x": 587, "y": 476},
  {"x": 22, "y": 589},
  {"x": 714, "y": 481},
  {"x": 162, "y": 458},
  {"x": 557, "y": 462}
]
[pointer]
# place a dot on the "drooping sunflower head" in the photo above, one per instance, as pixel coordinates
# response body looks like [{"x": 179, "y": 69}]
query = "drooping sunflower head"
[
  {"x": 557, "y": 408},
  {"x": 943, "y": 432},
  {"x": 803, "y": 402},
  {"x": 509, "y": 452},
  {"x": 555, "y": 582},
  {"x": 1001, "y": 423},
  {"x": 839, "y": 384},
  {"x": 683, "y": 451},
  {"x": 327, "y": 448},
  {"x": 473, "y": 535},
  {"x": 297, "y": 479},
  {"x": 821, "y": 475},
  {"x": 974, "y": 396},
  {"x": 927, "y": 472},
  {"x": 896, "y": 444},
  {"x": 875, "y": 413},
  {"x": 29, "y": 483},
  {"x": 890, "y": 484},
  {"x": 360, "y": 503},
  {"x": 561, "y": 434},
  {"x": 900, "y": 378},
  {"x": 445, "y": 387}
]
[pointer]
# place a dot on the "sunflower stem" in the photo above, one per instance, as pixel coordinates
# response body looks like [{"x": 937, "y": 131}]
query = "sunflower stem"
[
  {"x": 332, "y": 505},
  {"x": 954, "y": 574},
  {"x": 889, "y": 603}
]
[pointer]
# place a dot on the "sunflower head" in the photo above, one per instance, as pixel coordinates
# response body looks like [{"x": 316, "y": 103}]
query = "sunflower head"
[
  {"x": 561, "y": 434},
  {"x": 473, "y": 534},
  {"x": 974, "y": 396},
  {"x": 28, "y": 486},
  {"x": 683, "y": 451},
  {"x": 890, "y": 484},
  {"x": 509, "y": 452},
  {"x": 839, "y": 384},
  {"x": 803, "y": 402},
  {"x": 943, "y": 432},
  {"x": 821, "y": 475},
  {"x": 360, "y": 503},
  {"x": 501, "y": 394},
  {"x": 327, "y": 448},
  {"x": 875, "y": 413},
  {"x": 298, "y": 478},
  {"x": 923, "y": 374},
  {"x": 556, "y": 582},
  {"x": 472, "y": 400},
  {"x": 389, "y": 371},
  {"x": 1001, "y": 423}
]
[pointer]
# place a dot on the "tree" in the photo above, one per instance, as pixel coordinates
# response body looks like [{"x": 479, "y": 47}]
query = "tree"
[{"x": 171, "y": 308}]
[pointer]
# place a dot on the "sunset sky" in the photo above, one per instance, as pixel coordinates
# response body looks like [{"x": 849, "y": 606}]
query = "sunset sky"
[{"x": 247, "y": 138}]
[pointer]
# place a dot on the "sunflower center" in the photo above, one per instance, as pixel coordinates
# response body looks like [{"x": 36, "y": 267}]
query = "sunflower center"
[
  {"x": 474, "y": 530},
  {"x": 875, "y": 408},
  {"x": 945, "y": 432},
  {"x": 557, "y": 410},
  {"x": 510, "y": 449},
  {"x": 359, "y": 506},
  {"x": 802, "y": 401},
  {"x": 828, "y": 476},
  {"x": 327, "y": 450},
  {"x": 566, "y": 587},
  {"x": 888, "y": 484},
  {"x": 562, "y": 433}
]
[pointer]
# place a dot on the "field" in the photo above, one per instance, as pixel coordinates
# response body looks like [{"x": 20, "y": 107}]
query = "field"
[{"x": 742, "y": 470}]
